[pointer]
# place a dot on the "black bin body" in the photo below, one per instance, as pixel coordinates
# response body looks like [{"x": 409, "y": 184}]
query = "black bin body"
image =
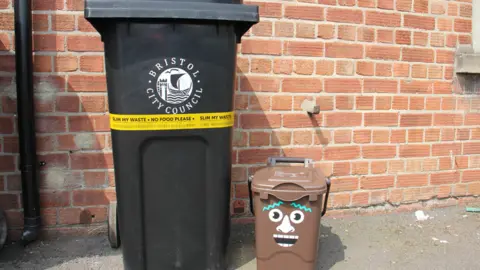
[{"x": 171, "y": 59}]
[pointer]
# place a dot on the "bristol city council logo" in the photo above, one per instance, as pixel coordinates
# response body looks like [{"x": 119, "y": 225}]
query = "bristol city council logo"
[{"x": 173, "y": 86}]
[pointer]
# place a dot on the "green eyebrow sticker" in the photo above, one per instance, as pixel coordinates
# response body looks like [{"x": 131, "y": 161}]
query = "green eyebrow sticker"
[
  {"x": 301, "y": 207},
  {"x": 271, "y": 206}
]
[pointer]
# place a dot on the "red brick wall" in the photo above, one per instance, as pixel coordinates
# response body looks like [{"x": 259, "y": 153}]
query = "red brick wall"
[{"x": 392, "y": 127}]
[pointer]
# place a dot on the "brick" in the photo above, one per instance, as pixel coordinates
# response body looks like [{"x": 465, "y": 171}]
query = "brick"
[
  {"x": 463, "y": 25},
  {"x": 380, "y": 86},
  {"x": 419, "y": 71},
  {"x": 345, "y": 67},
  {"x": 444, "y": 178},
  {"x": 91, "y": 63},
  {"x": 384, "y": 36},
  {"x": 323, "y": 137},
  {"x": 366, "y": 34},
  {"x": 335, "y": 85},
  {"x": 463, "y": 134},
  {"x": 84, "y": 44},
  {"x": 470, "y": 176},
  {"x": 377, "y": 182},
  {"x": 300, "y": 48},
  {"x": 65, "y": 63},
  {"x": 314, "y": 153},
  {"x": 40, "y": 22},
  {"x": 383, "y": 52},
  {"x": 259, "y": 84},
  {"x": 413, "y": 86},
  {"x": 268, "y": 9},
  {"x": 301, "y": 137},
  {"x": 314, "y": 13},
  {"x": 419, "y": 22},
  {"x": 366, "y": 3},
  {"x": 383, "y": 69},
  {"x": 417, "y": 103},
  {"x": 412, "y": 180},
  {"x": 239, "y": 174},
  {"x": 305, "y": 30},
  {"x": 301, "y": 121},
  {"x": 378, "y": 167},
  {"x": 359, "y": 168},
  {"x": 48, "y": 5},
  {"x": 93, "y": 103},
  {"x": 400, "y": 103},
  {"x": 404, "y": 5},
  {"x": 302, "y": 85},
  {"x": 263, "y": 29},
  {"x": 437, "y": 39},
  {"x": 67, "y": 104},
  {"x": 340, "y": 200},
  {"x": 403, "y": 37},
  {"x": 365, "y": 68},
  {"x": 50, "y": 124},
  {"x": 417, "y": 55},
  {"x": 342, "y": 153},
  {"x": 380, "y": 136},
  {"x": 379, "y": 151},
  {"x": 343, "y": 136},
  {"x": 445, "y": 56},
  {"x": 82, "y": 83},
  {"x": 268, "y": 47},
  {"x": 465, "y": 39},
  {"x": 447, "y": 119},
  {"x": 326, "y": 31},
  {"x": 445, "y": 163},
  {"x": 451, "y": 40},
  {"x": 362, "y": 136},
  {"x": 360, "y": 198},
  {"x": 383, "y": 19},
  {"x": 347, "y": 32},
  {"x": 48, "y": 42},
  {"x": 9, "y": 201},
  {"x": 284, "y": 29},
  {"x": 339, "y": 119},
  {"x": 415, "y": 135},
  {"x": 90, "y": 197},
  {"x": 350, "y": 3},
  {"x": 7, "y": 63},
  {"x": 448, "y": 134},
  {"x": 344, "y": 184},
  {"x": 282, "y": 66},
  {"x": 344, "y": 102},
  {"x": 63, "y": 22},
  {"x": 381, "y": 119},
  {"x": 81, "y": 123},
  {"x": 414, "y": 151},
  {"x": 241, "y": 191},
  {"x": 81, "y": 161},
  {"x": 415, "y": 120},
  {"x": 401, "y": 70},
  {"x": 446, "y": 149},
  {"x": 466, "y": 10},
  {"x": 445, "y": 24},
  {"x": 54, "y": 199},
  {"x": 472, "y": 119},
  {"x": 438, "y": 8},
  {"x": 385, "y": 4},
  {"x": 255, "y": 156},
  {"x": 7, "y": 163},
  {"x": 420, "y": 6},
  {"x": 473, "y": 189},
  {"x": 344, "y": 50},
  {"x": 261, "y": 103},
  {"x": 383, "y": 103},
  {"x": 282, "y": 103},
  {"x": 344, "y": 15},
  {"x": 251, "y": 121},
  {"x": 470, "y": 148},
  {"x": 325, "y": 103},
  {"x": 84, "y": 25},
  {"x": 325, "y": 67}
]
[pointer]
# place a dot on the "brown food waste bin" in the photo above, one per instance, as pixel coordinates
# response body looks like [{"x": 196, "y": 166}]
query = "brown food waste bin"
[{"x": 287, "y": 203}]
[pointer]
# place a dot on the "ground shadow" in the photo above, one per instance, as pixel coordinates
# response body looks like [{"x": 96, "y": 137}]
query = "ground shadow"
[{"x": 331, "y": 249}]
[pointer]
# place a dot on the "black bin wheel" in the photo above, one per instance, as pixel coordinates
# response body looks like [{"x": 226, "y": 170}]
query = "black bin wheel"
[
  {"x": 113, "y": 226},
  {"x": 3, "y": 229}
]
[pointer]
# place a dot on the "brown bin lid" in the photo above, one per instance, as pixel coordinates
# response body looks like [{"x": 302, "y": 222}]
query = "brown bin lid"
[{"x": 289, "y": 183}]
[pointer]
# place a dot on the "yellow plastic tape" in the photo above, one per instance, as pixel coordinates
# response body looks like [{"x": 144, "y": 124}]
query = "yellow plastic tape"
[{"x": 129, "y": 122}]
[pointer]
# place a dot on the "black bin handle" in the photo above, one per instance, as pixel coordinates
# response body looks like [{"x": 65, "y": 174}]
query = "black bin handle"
[
  {"x": 250, "y": 194},
  {"x": 272, "y": 161}
]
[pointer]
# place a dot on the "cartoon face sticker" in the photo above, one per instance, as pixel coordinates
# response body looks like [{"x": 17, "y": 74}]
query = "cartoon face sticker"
[{"x": 285, "y": 235}]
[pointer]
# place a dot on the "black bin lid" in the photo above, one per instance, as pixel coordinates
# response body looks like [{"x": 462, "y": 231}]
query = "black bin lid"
[{"x": 244, "y": 16}]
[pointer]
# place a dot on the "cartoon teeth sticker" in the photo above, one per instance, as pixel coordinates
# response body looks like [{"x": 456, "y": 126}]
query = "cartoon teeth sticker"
[{"x": 287, "y": 238}]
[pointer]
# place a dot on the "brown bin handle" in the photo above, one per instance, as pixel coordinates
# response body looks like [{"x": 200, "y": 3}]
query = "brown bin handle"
[
  {"x": 250, "y": 195},
  {"x": 326, "y": 197},
  {"x": 272, "y": 161}
]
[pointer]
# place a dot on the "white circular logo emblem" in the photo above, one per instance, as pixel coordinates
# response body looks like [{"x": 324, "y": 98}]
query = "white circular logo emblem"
[{"x": 174, "y": 86}]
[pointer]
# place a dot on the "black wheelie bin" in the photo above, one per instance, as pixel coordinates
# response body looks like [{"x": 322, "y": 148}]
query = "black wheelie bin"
[{"x": 170, "y": 73}]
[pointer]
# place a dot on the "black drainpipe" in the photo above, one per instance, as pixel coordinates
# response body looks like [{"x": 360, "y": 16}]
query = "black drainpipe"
[{"x": 26, "y": 120}]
